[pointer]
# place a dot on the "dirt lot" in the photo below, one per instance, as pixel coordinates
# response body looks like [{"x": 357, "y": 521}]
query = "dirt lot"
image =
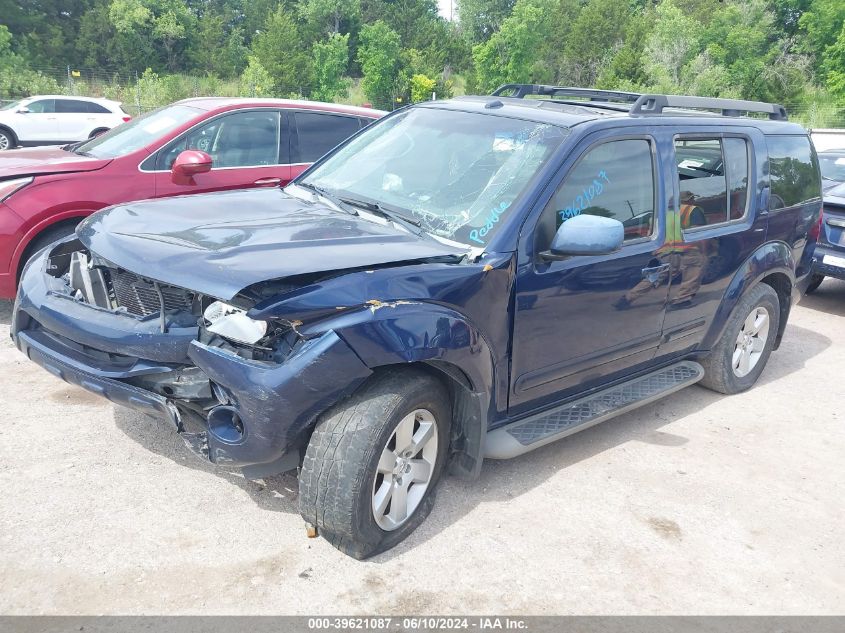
[{"x": 697, "y": 504}]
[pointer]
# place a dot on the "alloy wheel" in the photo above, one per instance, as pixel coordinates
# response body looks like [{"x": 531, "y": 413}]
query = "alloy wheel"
[
  {"x": 751, "y": 341},
  {"x": 405, "y": 469}
]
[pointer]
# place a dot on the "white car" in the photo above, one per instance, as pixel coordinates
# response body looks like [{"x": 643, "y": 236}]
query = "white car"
[{"x": 56, "y": 119}]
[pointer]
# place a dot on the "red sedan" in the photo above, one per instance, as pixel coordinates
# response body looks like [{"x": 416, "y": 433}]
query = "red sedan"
[{"x": 193, "y": 146}]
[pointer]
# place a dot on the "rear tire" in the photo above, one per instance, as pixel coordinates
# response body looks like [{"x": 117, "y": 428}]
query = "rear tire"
[
  {"x": 738, "y": 359},
  {"x": 347, "y": 488},
  {"x": 815, "y": 282}
]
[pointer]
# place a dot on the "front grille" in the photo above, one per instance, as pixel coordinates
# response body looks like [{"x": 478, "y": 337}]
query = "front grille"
[{"x": 139, "y": 297}]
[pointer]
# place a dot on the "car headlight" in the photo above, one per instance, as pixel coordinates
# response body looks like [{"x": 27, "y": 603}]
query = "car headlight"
[
  {"x": 8, "y": 187},
  {"x": 233, "y": 323}
]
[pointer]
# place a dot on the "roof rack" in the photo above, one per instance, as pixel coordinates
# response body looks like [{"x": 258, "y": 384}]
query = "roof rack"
[
  {"x": 647, "y": 105},
  {"x": 523, "y": 90},
  {"x": 655, "y": 104}
]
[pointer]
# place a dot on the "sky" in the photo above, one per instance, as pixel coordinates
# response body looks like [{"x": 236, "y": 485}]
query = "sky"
[{"x": 445, "y": 7}]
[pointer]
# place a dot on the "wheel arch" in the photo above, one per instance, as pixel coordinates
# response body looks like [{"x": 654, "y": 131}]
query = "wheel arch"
[
  {"x": 29, "y": 243},
  {"x": 441, "y": 342},
  {"x": 6, "y": 128},
  {"x": 772, "y": 264}
]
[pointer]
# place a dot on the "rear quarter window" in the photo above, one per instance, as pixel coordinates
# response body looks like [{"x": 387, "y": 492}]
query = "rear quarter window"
[{"x": 793, "y": 171}]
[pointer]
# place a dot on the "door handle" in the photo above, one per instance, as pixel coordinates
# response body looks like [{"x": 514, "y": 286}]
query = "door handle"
[
  {"x": 653, "y": 273},
  {"x": 268, "y": 182}
]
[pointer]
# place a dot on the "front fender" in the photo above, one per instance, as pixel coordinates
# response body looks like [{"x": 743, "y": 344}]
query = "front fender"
[
  {"x": 403, "y": 332},
  {"x": 772, "y": 258}
]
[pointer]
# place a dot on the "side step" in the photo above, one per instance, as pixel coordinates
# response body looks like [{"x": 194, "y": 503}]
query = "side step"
[{"x": 538, "y": 430}]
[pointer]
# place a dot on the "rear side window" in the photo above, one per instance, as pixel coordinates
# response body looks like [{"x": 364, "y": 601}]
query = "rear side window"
[
  {"x": 317, "y": 133},
  {"x": 96, "y": 108},
  {"x": 71, "y": 106},
  {"x": 612, "y": 180},
  {"x": 713, "y": 180},
  {"x": 793, "y": 171}
]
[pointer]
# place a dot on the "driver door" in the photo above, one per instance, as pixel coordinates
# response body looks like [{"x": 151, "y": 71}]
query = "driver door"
[
  {"x": 245, "y": 150},
  {"x": 38, "y": 125},
  {"x": 583, "y": 321}
]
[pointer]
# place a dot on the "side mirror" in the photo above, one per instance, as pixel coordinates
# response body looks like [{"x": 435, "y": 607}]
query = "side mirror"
[
  {"x": 23, "y": 110},
  {"x": 188, "y": 164},
  {"x": 586, "y": 235}
]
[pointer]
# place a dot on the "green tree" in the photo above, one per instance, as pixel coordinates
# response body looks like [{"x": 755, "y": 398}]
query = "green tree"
[
  {"x": 331, "y": 57},
  {"x": 512, "y": 54},
  {"x": 279, "y": 49},
  {"x": 326, "y": 16},
  {"x": 834, "y": 67},
  {"x": 379, "y": 56},
  {"x": 821, "y": 24},
  {"x": 672, "y": 43},
  {"x": 479, "y": 19},
  {"x": 421, "y": 88},
  {"x": 162, "y": 23},
  {"x": 255, "y": 80},
  {"x": 598, "y": 31}
]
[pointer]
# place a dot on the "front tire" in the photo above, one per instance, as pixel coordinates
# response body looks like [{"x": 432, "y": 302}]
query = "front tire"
[
  {"x": 7, "y": 140},
  {"x": 738, "y": 359},
  {"x": 368, "y": 477}
]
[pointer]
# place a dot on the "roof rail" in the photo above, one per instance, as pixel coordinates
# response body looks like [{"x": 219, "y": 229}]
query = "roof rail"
[
  {"x": 655, "y": 104},
  {"x": 523, "y": 90}
]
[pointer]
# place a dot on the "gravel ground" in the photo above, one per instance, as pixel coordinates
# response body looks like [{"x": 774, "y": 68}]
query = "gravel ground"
[{"x": 696, "y": 504}]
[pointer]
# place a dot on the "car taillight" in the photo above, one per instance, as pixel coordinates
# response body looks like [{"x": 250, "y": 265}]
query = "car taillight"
[
  {"x": 127, "y": 119},
  {"x": 8, "y": 187}
]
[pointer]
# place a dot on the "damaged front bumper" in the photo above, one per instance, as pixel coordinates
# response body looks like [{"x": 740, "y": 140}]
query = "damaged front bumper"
[{"x": 230, "y": 410}]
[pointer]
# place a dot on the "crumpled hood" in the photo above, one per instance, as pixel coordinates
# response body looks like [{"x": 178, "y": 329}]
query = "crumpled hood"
[
  {"x": 45, "y": 160},
  {"x": 220, "y": 243}
]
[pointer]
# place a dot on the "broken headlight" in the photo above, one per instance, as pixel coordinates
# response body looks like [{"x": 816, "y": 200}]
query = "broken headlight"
[{"x": 233, "y": 323}]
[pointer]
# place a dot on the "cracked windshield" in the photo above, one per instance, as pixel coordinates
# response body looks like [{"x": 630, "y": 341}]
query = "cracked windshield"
[{"x": 455, "y": 173}]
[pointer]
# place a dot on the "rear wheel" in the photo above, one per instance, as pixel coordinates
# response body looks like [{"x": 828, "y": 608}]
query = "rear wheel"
[
  {"x": 815, "y": 282},
  {"x": 739, "y": 358},
  {"x": 372, "y": 463}
]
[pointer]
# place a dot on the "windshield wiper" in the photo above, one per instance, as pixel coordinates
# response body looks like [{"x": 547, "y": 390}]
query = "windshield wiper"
[
  {"x": 328, "y": 195},
  {"x": 411, "y": 224}
]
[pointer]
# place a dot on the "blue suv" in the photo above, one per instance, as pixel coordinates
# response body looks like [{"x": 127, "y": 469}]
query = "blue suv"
[{"x": 464, "y": 279}]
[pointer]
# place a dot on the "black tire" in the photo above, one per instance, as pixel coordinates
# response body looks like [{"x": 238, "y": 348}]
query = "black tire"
[
  {"x": 719, "y": 372},
  {"x": 44, "y": 239},
  {"x": 340, "y": 465},
  {"x": 815, "y": 282},
  {"x": 10, "y": 141}
]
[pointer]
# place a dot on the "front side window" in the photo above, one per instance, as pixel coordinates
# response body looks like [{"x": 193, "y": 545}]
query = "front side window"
[
  {"x": 139, "y": 132},
  {"x": 42, "y": 106},
  {"x": 456, "y": 173},
  {"x": 612, "y": 180},
  {"x": 793, "y": 171},
  {"x": 243, "y": 139},
  {"x": 318, "y": 133}
]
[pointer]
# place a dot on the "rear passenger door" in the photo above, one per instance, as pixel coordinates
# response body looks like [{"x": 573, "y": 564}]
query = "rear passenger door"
[
  {"x": 715, "y": 177},
  {"x": 244, "y": 147},
  {"x": 75, "y": 121},
  {"x": 315, "y": 133},
  {"x": 587, "y": 320}
]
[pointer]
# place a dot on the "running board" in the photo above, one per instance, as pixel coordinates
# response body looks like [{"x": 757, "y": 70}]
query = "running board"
[{"x": 538, "y": 430}]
